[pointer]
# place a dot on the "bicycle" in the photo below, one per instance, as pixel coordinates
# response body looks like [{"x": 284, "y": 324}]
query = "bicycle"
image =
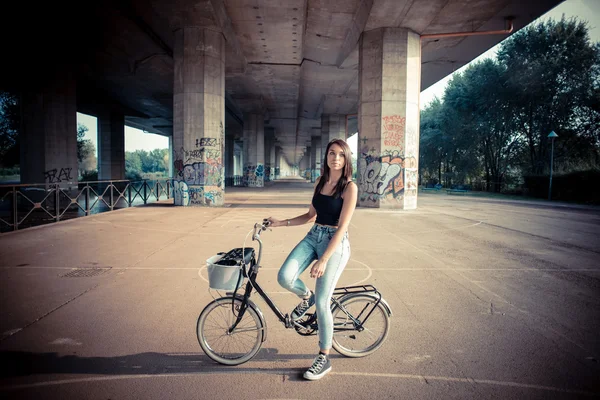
[{"x": 232, "y": 329}]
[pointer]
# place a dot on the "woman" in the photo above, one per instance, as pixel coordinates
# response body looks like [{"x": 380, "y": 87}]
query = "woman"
[{"x": 332, "y": 206}]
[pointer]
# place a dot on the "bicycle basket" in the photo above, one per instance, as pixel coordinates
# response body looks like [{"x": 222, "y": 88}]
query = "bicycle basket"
[{"x": 224, "y": 269}]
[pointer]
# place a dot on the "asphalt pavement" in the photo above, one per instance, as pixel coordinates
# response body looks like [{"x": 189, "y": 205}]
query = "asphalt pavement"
[{"x": 491, "y": 299}]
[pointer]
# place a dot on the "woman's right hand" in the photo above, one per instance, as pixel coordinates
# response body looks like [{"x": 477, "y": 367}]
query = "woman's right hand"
[{"x": 274, "y": 222}]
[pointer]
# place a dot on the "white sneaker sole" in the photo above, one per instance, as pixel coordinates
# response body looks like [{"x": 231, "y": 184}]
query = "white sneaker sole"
[{"x": 312, "y": 377}]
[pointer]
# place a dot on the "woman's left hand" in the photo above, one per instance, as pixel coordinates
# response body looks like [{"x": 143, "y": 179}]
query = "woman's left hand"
[{"x": 318, "y": 268}]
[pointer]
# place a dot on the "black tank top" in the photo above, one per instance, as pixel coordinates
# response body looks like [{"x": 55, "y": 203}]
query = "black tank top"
[{"x": 328, "y": 209}]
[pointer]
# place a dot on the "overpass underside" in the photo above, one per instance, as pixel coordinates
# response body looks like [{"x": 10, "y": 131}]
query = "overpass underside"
[{"x": 252, "y": 88}]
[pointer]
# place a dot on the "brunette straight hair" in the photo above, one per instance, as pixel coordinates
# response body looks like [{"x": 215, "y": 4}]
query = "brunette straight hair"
[{"x": 346, "y": 173}]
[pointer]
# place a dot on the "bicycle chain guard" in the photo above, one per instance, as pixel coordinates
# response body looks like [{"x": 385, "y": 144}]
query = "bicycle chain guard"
[{"x": 307, "y": 325}]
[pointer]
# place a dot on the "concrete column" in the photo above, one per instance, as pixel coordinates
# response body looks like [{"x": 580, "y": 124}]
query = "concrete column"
[
  {"x": 269, "y": 153},
  {"x": 277, "y": 162},
  {"x": 304, "y": 164},
  {"x": 254, "y": 149},
  {"x": 48, "y": 134},
  {"x": 272, "y": 155},
  {"x": 238, "y": 164},
  {"x": 170, "y": 156},
  {"x": 229, "y": 156},
  {"x": 333, "y": 126},
  {"x": 198, "y": 117},
  {"x": 308, "y": 155},
  {"x": 315, "y": 157},
  {"x": 111, "y": 145},
  {"x": 388, "y": 118}
]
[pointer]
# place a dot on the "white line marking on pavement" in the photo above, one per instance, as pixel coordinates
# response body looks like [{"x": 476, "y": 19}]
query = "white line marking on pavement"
[
  {"x": 352, "y": 269},
  {"x": 423, "y": 379}
]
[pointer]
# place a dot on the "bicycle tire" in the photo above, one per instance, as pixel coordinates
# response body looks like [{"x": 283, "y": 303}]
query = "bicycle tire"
[
  {"x": 233, "y": 348},
  {"x": 349, "y": 341}
]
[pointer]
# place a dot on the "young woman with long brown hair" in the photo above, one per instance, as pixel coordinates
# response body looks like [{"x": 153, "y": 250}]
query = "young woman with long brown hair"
[{"x": 332, "y": 207}]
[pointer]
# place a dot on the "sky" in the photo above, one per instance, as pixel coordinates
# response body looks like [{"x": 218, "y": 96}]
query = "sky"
[{"x": 584, "y": 10}]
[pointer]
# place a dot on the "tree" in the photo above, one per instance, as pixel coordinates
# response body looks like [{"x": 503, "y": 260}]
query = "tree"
[
  {"x": 552, "y": 71},
  {"x": 86, "y": 151},
  {"x": 431, "y": 153},
  {"x": 487, "y": 122},
  {"x": 9, "y": 129}
]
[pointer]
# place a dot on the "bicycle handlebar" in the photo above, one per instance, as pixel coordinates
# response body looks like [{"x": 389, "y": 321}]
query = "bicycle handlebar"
[{"x": 258, "y": 228}]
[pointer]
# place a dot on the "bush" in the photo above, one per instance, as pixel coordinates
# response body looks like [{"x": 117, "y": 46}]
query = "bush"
[
  {"x": 133, "y": 175},
  {"x": 89, "y": 176},
  {"x": 10, "y": 171},
  {"x": 579, "y": 186}
]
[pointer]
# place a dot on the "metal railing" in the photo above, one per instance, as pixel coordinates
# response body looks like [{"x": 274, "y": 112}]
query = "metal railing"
[
  {"x": 234, "y": 180},
  {"x": 27, "y": 205}
]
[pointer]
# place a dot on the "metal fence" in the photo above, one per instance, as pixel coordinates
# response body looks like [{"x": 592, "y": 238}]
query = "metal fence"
[{"x": 26, "y": 205}]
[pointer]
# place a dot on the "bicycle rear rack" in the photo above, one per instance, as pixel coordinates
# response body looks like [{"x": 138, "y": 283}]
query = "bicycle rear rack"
[{"x": 355, "y": 289}]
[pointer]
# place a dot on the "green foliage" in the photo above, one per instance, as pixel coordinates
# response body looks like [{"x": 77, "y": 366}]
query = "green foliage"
[
  {"x": 143, "y": 162},
  {"x": 133, "y": 175},
  {"x": 89, "y": 176},
  {"x": 9, "y": 133},
  {"x": 580, "y": 186},
  {"x": 493, "y": 122},
  {"x": 553, "y": 71}
]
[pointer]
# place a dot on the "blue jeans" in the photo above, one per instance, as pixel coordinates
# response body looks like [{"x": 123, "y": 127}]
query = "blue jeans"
[{"x": 308, "y": 250}]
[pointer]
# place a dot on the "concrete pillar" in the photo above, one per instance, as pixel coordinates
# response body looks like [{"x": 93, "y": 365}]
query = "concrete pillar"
[
  {"x": 277, "y": 162},
  {"x": 333, "y": 126},
  {"x": 48, "y": 134},
  {"x": 111, "y": 145},
  {"x": 229, "y": 157},
  {"x": 254, "y": 148},
  {"x": 388, "y": 118},
  {"x": 238, "y": 164},
  {"x": 198, "y": 117},
  {"x": 170, "y": 156},
  {"x": 272, "y": 155},
  {"x": 304, "y": 164},
  {"x": 315, "y": 157},
  {"x": 269, "y": 153},
  {"x": 308, "y": 155}
]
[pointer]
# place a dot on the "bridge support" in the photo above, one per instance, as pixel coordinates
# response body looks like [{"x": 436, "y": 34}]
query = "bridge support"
[
  {"x": 111, "y": 145},
  {"x": 199, "y": 117},
  {"x": 49, "y": 130},
  {"x": 254, "y": 150},
  {"x": 388, "y": 118}
]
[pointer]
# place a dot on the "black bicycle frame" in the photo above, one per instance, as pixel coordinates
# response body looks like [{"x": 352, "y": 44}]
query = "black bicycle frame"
[{"x": 253, "y": 284}]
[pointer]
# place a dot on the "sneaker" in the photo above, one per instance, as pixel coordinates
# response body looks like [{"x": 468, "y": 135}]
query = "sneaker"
[
  {"x": 320, "y": 367},
  {"x": 303, "y": 307}
]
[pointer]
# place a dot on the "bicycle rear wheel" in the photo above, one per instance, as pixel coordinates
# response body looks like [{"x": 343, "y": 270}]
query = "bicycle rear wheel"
[
  {"x": 352, "y": 335},
  {"x": 213, "y": 334}
]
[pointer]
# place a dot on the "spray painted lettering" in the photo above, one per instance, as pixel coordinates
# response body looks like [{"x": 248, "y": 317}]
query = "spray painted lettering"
[{"x": 55, "y": 176}]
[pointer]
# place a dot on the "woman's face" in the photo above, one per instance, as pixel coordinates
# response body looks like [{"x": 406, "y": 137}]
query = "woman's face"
[{"x": 336, "y": 159}]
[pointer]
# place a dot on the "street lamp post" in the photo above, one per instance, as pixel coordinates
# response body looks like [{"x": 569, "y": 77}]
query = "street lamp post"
[{"x": 552, "y": 135}]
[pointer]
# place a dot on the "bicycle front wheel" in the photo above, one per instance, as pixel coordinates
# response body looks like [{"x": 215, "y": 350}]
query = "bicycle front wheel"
[
  {"x": 353, "y": 336},
  {"x": 222, "y": 346}
]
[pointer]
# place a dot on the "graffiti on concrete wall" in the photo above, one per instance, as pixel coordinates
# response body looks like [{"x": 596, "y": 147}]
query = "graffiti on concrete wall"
[
  {"x": 393, "y": 132},
  {"x": 181, "y": 193},
  {"x": 199, "y": 172},
  {"x": 268, "y": 177},
  {"x": 202, "y": 173},
  {"x": 56, "y": 176},
  {"x": 381, "y": 177},
  {"x": 205, "y": 195},
  {"x": 254, "y": 175}
]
